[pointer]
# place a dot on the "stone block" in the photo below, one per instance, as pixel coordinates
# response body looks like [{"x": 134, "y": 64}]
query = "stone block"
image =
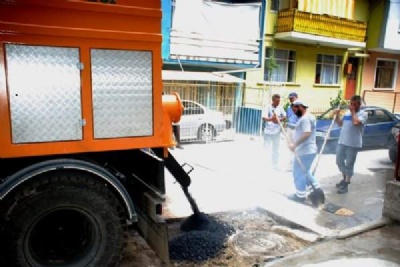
[{"x": 391, "y": 205}]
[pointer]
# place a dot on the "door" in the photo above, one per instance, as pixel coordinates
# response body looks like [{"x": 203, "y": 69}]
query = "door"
[
  {"x": 44, "y": 86},
  {"x": 351, "y": 71},
  {"x": 122, "y": 93}
]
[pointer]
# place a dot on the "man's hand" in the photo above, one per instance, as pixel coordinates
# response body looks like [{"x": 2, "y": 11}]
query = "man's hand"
[
  {"x": 292, "y": 147},
  {"x": 274, "y": 118},
  {"x": 352, "y": 109}
]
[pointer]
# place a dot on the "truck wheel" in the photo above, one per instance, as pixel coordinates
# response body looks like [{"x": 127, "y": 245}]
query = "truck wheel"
[
  {"x": 206, "y": 133},
  {"x": 392, "y": 154},
  {"x": 69, "y": 219}
]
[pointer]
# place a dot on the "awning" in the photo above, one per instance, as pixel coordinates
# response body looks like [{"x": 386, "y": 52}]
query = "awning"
[{"x": 171, "y": 75}]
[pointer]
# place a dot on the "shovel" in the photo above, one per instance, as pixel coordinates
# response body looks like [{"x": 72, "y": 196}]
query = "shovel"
[
  {"x": 324, "y": 143},
  {"x": 317, "y": 197}
]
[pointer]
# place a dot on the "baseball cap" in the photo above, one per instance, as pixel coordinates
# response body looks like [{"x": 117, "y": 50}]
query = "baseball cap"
[
  {"x": 300, "y": 103},
  {"x": 293, "y": 94}
]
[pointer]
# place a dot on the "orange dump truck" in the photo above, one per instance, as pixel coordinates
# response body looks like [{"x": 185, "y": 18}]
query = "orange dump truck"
[{"x": 84, "y": 131}]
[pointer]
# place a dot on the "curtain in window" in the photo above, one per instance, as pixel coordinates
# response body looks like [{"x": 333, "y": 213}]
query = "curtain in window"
[
  {"x": 385, "y": 74},
  {"x": 279, "y": 74},
  {"x": 340, "y": 8},
  {"x": 327, "y": 74}
]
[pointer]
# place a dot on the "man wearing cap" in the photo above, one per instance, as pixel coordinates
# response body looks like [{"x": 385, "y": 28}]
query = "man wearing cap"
[
  {"x": 292, "y": 118},
  {"x": 272, "y": 130},
  {"x": 305, "y": 148}
]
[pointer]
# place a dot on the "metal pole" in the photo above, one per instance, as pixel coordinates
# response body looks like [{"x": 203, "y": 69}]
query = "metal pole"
[{"x": 396, "y": 171}]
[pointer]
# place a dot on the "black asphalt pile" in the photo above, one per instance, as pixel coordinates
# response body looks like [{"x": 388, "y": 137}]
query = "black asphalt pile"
[
  {"x": 201, "y": 245},
  {"x": 196, "y": 221}
]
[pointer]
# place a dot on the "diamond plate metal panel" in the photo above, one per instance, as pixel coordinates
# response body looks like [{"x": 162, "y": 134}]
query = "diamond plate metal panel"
[
  {"x": 122, "y": 93},
  {"x": 44, "y": 88}
]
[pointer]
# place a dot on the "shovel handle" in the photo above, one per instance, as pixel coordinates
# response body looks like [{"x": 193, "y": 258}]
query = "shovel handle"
[{"x": 325, "y": 141}]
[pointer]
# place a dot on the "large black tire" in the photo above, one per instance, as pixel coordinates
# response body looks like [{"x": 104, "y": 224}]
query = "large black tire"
[
  {"x": 64, "y": 218},
  {"x": 393, "y": 154}
]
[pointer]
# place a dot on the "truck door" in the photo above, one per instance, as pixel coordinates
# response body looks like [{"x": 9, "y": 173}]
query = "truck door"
[{"x": 44, "y": 88}]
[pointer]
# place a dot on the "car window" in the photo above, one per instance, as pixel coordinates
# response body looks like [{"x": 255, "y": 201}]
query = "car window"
[
  {"x": 191, "y": 108},
  {"x": 379, "y": 116}
]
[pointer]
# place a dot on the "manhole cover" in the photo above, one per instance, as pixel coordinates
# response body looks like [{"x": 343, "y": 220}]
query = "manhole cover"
[{"x": 263, "y": 243}]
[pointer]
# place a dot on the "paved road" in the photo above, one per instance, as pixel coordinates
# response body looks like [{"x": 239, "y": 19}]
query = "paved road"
[{"x": 236, "y": 174}]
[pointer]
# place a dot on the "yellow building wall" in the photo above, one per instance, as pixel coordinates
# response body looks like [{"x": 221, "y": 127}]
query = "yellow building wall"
[
  {"x": 375, "y": 25},
  {"x": 361, "y": 12},
  {"x": 270, "y": 20},
  {"x": 340, "y": 8},
  {"x": 258, "y": 91}
]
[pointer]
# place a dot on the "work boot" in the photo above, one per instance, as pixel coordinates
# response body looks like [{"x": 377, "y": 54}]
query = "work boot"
[
  {"x": 338, "y": 185},
  {"x": 342, "y": 182},
  {"x": 344, "y": 188}
]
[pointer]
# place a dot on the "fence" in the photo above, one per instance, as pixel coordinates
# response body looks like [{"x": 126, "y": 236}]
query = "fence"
[
  {"x": 386, "y": 99},
  {"x": 222, "y": 111},
  {"x": 210, "y": 114},
  {"x": 222, "y": 124}
]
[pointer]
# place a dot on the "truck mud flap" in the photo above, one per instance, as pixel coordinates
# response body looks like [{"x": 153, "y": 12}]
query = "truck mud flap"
[
  {"x": 153, "y": 228},
  {"x": 145, "y": 183}
]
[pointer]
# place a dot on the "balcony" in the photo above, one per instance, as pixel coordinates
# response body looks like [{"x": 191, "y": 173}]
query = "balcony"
[{"x": 299, "y": 26}]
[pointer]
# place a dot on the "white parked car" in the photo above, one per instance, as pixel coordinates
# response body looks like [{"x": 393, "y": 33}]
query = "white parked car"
[{"x": 201, "y": 123}]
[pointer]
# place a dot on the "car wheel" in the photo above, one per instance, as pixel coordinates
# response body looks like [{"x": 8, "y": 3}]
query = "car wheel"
[
  {"x": 206, "y": 133},
  {"x": 228, "y": 124},
  {"x": 392, "y": 154}
]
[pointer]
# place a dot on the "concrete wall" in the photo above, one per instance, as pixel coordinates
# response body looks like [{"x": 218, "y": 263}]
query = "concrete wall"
[{"x": 391, "y": 207}]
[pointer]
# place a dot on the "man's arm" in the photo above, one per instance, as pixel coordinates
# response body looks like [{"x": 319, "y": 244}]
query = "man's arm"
[
  {"x": 306, "y": 127},
  {"x": 355, "y": 119},
  {"x": 265, "y": 115},
  {"x": 338, "y": 120},
  {"x": 283, "y": 115},
  {"x": 302, "y": 138}
]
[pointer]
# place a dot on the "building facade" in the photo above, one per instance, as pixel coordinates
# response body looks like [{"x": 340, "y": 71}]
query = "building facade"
[
  {"x": 205, "y": 45},
  {"x": 315, "y": 48},
  {"x": 381, "y": 84}
]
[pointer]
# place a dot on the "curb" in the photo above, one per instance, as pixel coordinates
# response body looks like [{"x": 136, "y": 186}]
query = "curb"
[{"x": 343, "y": 234}]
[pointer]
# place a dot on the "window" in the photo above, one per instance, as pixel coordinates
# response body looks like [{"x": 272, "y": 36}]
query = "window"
[
  {"x": 381, "y": 116},
  {"x": 191, "y": 108},
  {"x": 284, "y": 68},
  {"x": 385, "y": 74},
  {"x": 275, "y": 5},
  {"x": 328, "y": 69}
]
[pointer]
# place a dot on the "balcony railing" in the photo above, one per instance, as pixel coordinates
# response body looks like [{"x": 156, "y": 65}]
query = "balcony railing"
[{"x": 293, "y": 20}]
